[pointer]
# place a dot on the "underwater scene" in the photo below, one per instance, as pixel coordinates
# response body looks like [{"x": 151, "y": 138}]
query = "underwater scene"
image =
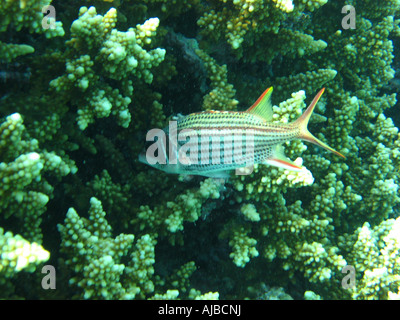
[{"x": 200, "y": 149}]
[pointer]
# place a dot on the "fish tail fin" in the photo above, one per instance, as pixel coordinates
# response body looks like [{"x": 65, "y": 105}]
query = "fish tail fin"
[{"x": 302, "y": 123}]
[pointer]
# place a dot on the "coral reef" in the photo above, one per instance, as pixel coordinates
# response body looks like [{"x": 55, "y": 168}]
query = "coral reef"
[
  {"x": 376, "y": 260},
  {"x": 96, "y": 256},
  {"x": 27, "y": 15},
  {"x": 24, "y": 193},
  {"x": 114, "y": 55},
  {"x": 77, "y": 101},
  {"x": 18, "y": 254}
]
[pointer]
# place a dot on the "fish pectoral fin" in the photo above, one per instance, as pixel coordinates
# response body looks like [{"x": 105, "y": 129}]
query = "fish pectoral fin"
[
  {"x": 244, "y": 171},
  {"x": 279, "y": 160},
  {"x": 225, "y": 174},
  {"x": 186, "y": 177}
]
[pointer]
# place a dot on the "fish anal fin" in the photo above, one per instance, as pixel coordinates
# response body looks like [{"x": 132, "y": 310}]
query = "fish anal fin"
[
  {"x": 289, "y": 165},
  {"x": 279, "y": 160},
  {"x": 263, "y": 106}
]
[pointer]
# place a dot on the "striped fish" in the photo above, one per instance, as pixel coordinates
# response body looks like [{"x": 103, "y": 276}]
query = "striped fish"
[{"x": 213, "y": 143}]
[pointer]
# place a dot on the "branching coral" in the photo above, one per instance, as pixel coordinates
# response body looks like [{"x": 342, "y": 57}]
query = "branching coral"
[
  {"x": 375, "y": 256},
  {"x": 18, "y": 254},
  {"x": 96, "y": 259},
  {"x": 24, "y": 14},
  {"x": 186, "y": 207},
  {"x": 24, "y": 193},
  {"x": 244, "y": 22},
  {"x": 222, "y": 95},
  {"x": 98, "y": 50},
  {"x": 96, "y": 256}
]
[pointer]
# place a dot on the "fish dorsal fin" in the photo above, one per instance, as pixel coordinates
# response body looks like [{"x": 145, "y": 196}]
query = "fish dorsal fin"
[
  {"x": 279, "y": 160},
  {"x": 263, "y": 106}
]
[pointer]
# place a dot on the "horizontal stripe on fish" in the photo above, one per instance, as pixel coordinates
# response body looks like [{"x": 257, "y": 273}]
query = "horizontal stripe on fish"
[{"x": 277, "y": 136}]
